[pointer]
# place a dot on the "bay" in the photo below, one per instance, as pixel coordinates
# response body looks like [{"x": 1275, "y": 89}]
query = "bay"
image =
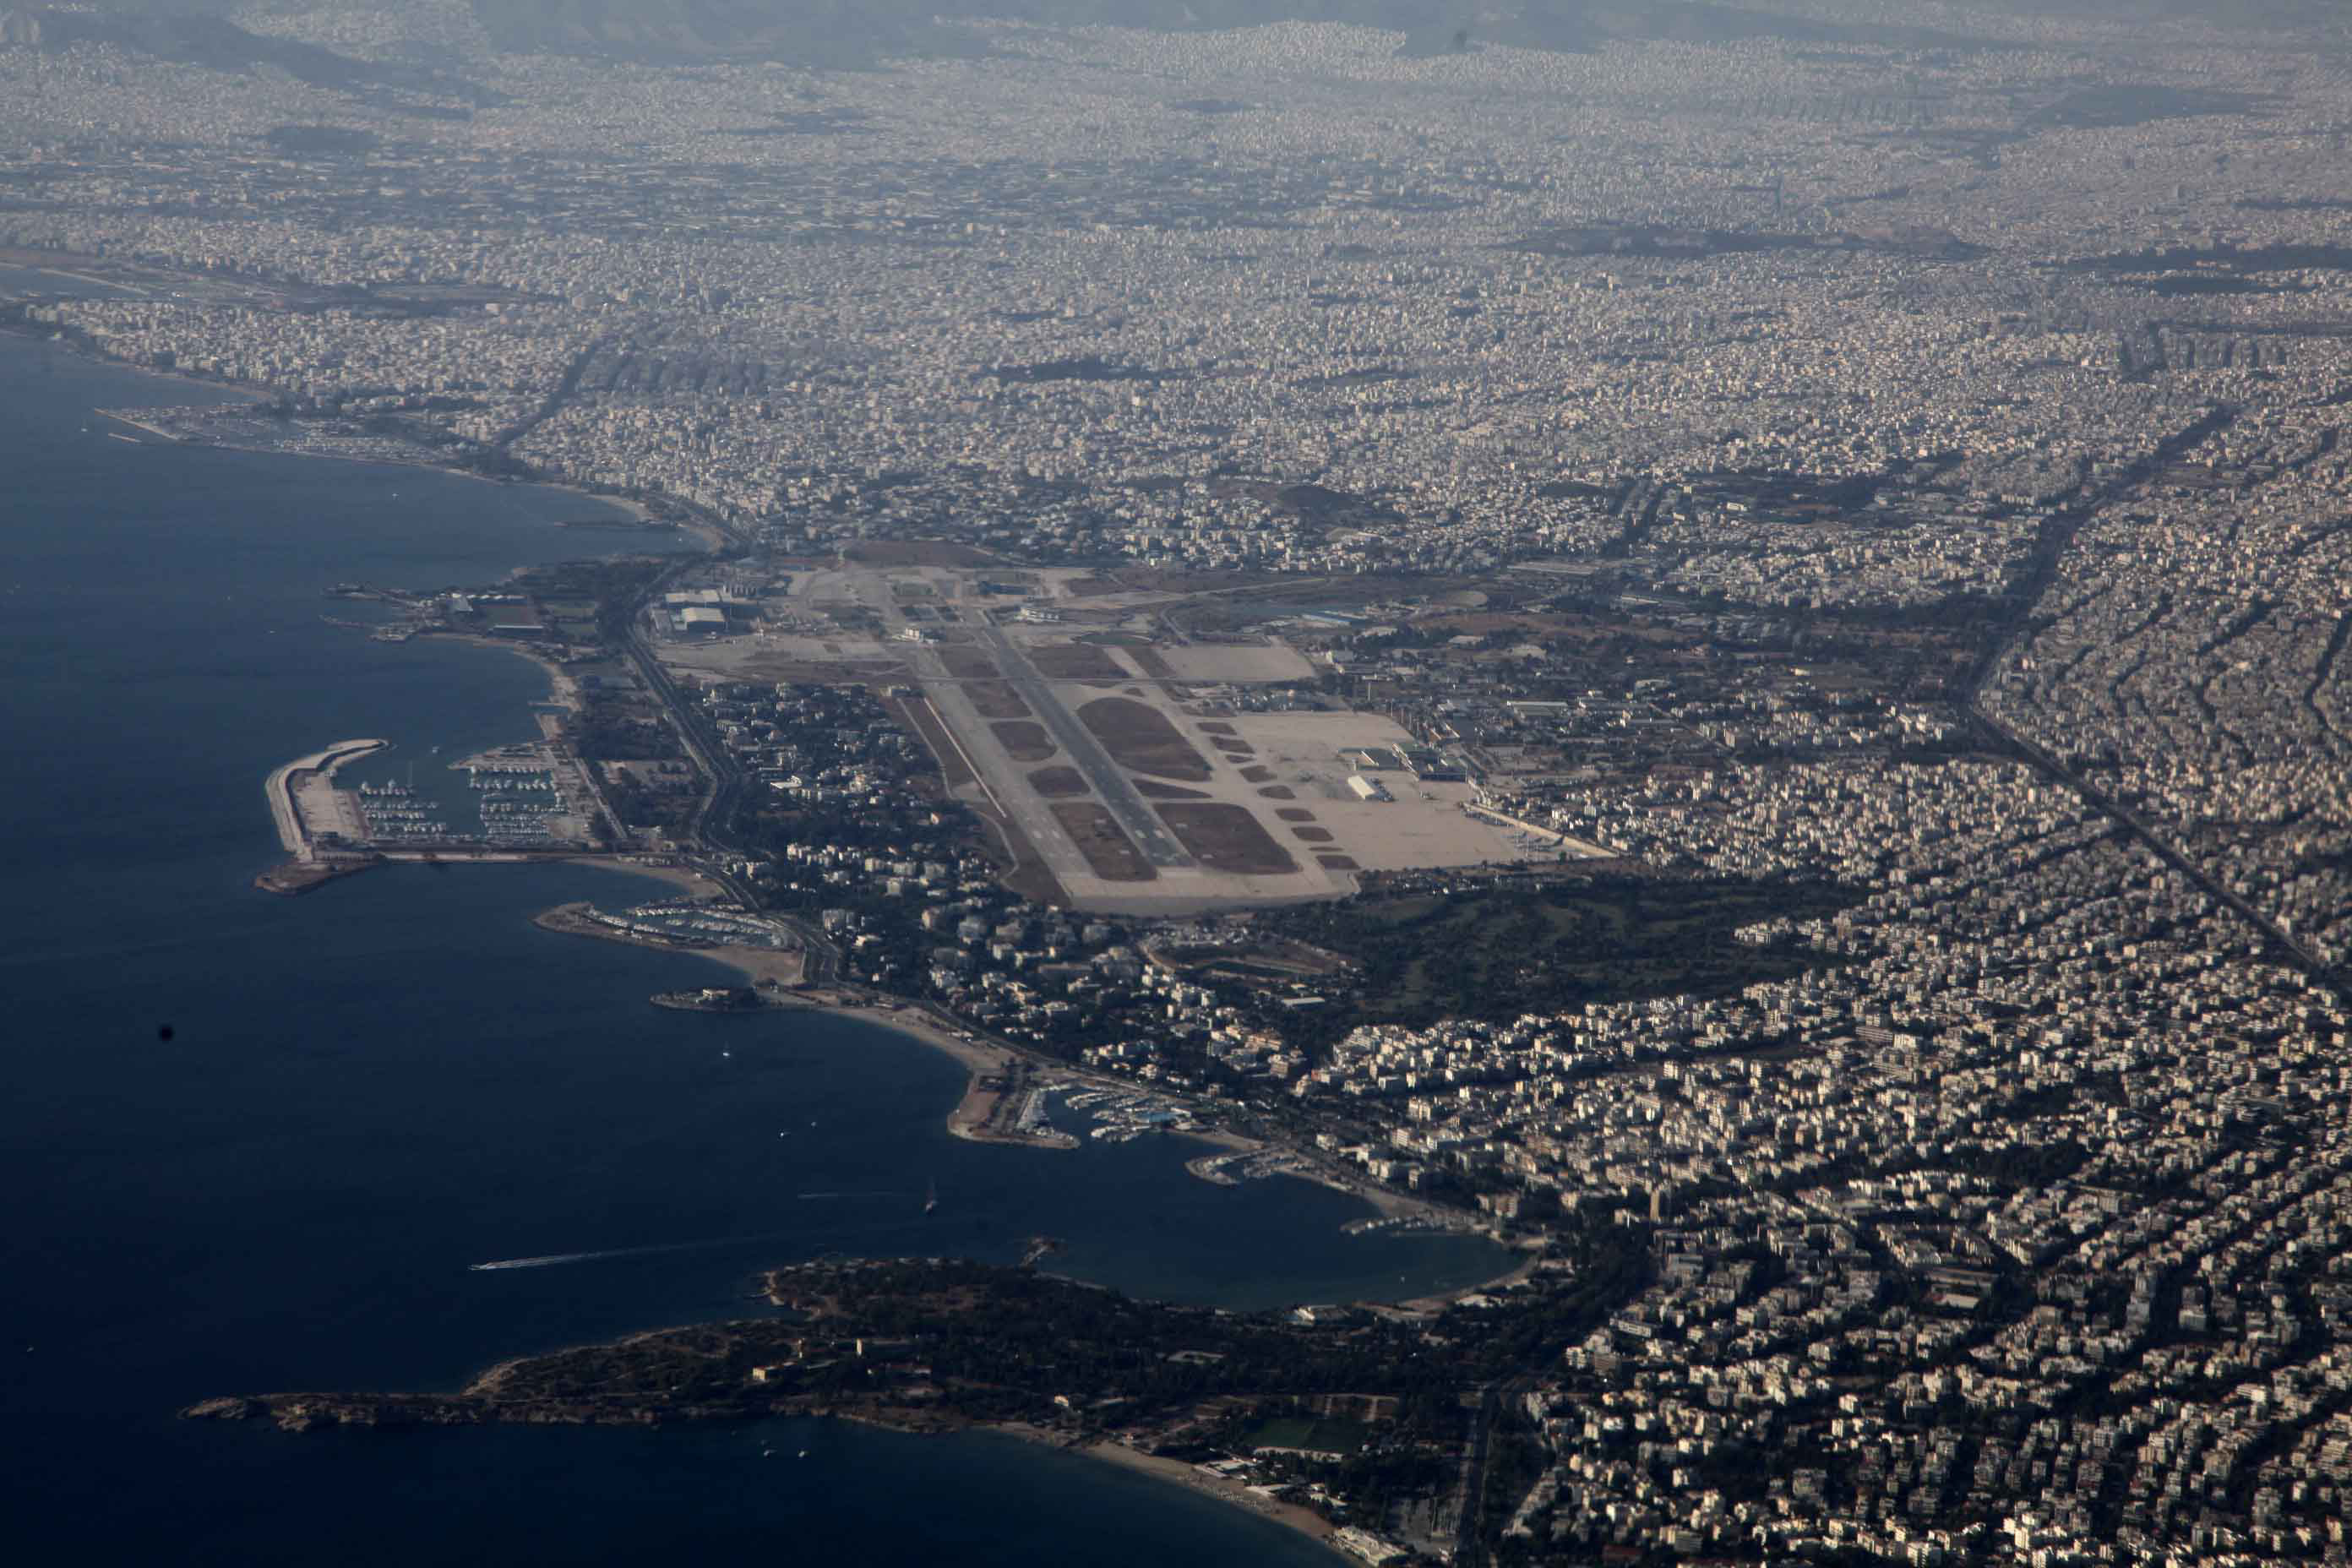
[{"x": 256, "y": 1144}]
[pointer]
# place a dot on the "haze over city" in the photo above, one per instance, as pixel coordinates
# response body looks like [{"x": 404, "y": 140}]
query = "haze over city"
[{"x": 1561, "y": 781}]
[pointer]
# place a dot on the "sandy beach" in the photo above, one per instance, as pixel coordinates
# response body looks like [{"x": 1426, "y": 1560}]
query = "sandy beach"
[
  {"x": 759, "y": 966},
  {"x": 976, "y": 1110},
  {"x": 978, "y": 1055},
  {"x": 1305, "y": 1520},
  {"x": 975, "y": 1114},
  {"x": 685, "y": 878}
]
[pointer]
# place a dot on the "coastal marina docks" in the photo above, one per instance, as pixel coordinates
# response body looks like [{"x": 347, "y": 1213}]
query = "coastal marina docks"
[
  {"x": 1118, "y": 1115},
  {"x": 683, "y": 922},
  {"x": 1231, "y": 1169},
  {"x": 391, "y": 813},
  {"x": 518, "y": 797},
  {"x": 1122, "y": 1114},
  {"x": 1429, "y": 1222}
]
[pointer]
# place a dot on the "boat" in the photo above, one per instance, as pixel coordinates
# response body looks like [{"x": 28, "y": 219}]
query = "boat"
[{"x": 931, "y": 1197}]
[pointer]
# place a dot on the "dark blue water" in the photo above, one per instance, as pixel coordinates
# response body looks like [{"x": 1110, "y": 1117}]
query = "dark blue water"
[{"x": 366, "y": 1090}]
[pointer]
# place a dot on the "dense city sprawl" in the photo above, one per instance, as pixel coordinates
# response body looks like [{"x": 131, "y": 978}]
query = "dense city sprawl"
[{"x": 1854, "y": 494}]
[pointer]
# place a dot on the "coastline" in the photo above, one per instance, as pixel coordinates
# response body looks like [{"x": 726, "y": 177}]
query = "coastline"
[
  {"x": 915, "y": 1022},
  {"x": 757, "y": 965},
  {"x": 564, "y": 688},
  {"x": 712, "y": 537},
  {"x": 685, "y": 878},
  {"x": 768, "y": 968},
  {"x": 1289, "y": 1515}
]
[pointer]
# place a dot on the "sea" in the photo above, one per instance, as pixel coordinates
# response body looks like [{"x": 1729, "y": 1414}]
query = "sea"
[{"x": 251, "y": 1144}]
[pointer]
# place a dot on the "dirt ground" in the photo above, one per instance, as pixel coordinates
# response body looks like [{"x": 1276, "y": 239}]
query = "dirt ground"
[
  {"x": 916, "y": 553},
  {"x": 811, "y": 662},
  {"x": 1140, "y": 738},
  {"x": 924, "y": 719},
  {"x": 1057, "y": 784},
  {"x": 1211, "y": 664},
  {"x": 1152, "y": 789},
  {"x": 1278, "y": 792},
  {"x": 1111, "y": 855},
  {"x": 968, "y": 664},
  {"x": 995, "y": 699},
  {"x": 1078, "y": 661},
  {"x": 1024, "y": 740},
  {"x": 1256, "y": 772},
  {"x": 1295, "y": 814},
  {"x": 1148, "y": 660},
  {"x": 1227, "y": 838}
]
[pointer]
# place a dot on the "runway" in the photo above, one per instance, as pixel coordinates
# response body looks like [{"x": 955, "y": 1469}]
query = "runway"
[{"x": 1110, "y": 782}]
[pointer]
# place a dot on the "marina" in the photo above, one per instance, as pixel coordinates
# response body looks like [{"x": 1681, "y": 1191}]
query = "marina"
[{"x": 523, "y": 796}]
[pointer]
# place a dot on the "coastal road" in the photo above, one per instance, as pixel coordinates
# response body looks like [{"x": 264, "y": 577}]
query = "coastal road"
[
  {"x": 1110, "y": 782},
  {"x": 714, "y": 817}
]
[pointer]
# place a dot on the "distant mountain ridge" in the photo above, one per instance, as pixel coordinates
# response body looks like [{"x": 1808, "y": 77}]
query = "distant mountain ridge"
[
  {"x": 844, "y": 31},
  {"x": 861, "y": 33},
  {"x": 836, "y": 31},
  {"x": 191, "y": 35}
]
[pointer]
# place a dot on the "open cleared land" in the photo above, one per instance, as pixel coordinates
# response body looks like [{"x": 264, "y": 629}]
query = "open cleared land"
[
  {"x": 1109, "y": 852},
  {"x": 1139, "y": 737},
  {"x": 1213, "y": 664},
  {"x": 1148, "y": 660},
  {"x": 1024, "y": 740},
  {"x": 994, "y": 699},
  {"x": 1078, "y": 661},
  {"x": 1228, "y": 839},
  {"x": 810, "y": 660},
  {"x": 968, "y": 664},
  {"x": 915, "y": 552},
  {"x": 1057, "y": 783},
  {"x": 1152, "y": 789}
]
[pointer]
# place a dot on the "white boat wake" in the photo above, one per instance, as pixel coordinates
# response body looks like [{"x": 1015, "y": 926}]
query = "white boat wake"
[{"x": 554, "y": 1258}]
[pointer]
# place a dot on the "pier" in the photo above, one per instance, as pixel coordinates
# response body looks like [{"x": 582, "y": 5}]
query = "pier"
[{"x": 307, "y": 807}]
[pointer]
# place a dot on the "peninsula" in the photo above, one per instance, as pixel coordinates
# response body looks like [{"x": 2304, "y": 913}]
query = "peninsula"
[{"x": 1309, "y": 1416}]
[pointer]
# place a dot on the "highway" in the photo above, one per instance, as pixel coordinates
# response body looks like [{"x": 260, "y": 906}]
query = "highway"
[
  {"x": 1110, "y": 782},
  {"x": 2281, "y": 941},
  {"x": 712, "y": 825},
  {"x": 2058, "y": 536}
]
